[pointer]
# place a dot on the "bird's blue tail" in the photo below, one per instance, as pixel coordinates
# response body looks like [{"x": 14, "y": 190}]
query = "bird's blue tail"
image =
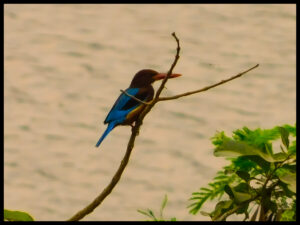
[{"x": 106, "y": 132}]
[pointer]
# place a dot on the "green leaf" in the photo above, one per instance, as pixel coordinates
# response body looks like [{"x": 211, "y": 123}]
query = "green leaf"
[
  {"x": 143, "y": 212},
  {"x": 243, "y": 209},
  {"x": 265, "y": 165},
  {"x": 291, "y": 129},
  {"x": 205, "y": 213},
  {"x": 151, "y": 214},
  {"x": 221, "y": 208},
  {"x": 257, "y": 138},
  {"x": 220, "y": 177},
  {"x": 197, "y": 205},
  {"x": 281, "y": 156},
  {"x": 287, "y": 192},
  {"x": 268, "y": 149},
  {"x": 228, "y": 171},
  {"x": 242, "y": 187},
  {"x": 293, "y": 155},
  {"x": 228, "y": 191},
  {"x": 216, "y": 190},
  {"x": 17, "y": 216},
  {"x": 231, "y": 148},
  {"x": 287, "y": 168},
  {"x": 292, "y": 148},
  {"x": 205, "y": 189},
  {"x": 251, "y": 155},
  {"x": 244, "y": 163},
  {"x": 238, "y": 197},
  {"x": 288, "y": 178},
  {"x": 244, "y": 175},
  {"x": 288, "y": 215},
  {"x": 282, "y": 149},
  {"x": 284, "y": 136},
  {"x": 164, "y": 203}
]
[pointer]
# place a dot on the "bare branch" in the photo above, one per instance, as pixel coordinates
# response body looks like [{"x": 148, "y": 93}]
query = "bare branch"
[
  {"x": 131, "y": 96},
  {"x": 135, "y": 131},
  {"x": 208, "y": 87},
  {"x": 170, "y": 70},
  {"x": 106, "y": 191}
]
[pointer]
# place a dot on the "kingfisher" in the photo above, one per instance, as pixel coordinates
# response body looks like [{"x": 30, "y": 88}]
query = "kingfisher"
[{"x": 126, "y": 109}]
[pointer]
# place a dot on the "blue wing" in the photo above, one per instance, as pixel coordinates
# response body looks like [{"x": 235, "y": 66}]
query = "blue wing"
[
  {"x": 106, "y": 132},
  {"x": 123, "y": 106}
]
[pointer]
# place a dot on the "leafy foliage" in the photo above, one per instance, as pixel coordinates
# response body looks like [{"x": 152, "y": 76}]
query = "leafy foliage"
[
  {"x": 149, "y": 213},
  {"x": 257, "y": 174},
  {"x": 10, "y": 215},
  {"x": 215, "y": 189}
]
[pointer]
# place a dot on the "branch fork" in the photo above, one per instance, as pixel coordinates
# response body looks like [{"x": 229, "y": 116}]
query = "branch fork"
[{"x": 135, "y": 131}]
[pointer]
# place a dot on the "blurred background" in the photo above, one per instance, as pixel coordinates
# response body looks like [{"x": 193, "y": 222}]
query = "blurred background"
[{"x": 64, "y": 66}]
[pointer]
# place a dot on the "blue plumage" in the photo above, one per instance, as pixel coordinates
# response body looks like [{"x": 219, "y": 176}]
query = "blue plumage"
[
  {"x": 126, "y": 109},
  {"x": 119, "y": 112},
  {"x": 106, "y": 132}
]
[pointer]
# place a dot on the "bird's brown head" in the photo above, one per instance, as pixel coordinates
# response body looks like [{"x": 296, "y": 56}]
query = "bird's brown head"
[{"x": 146, "y": 77}]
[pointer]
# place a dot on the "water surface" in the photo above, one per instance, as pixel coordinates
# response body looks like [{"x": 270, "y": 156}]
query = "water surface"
[{"x": 64, "y": 66}]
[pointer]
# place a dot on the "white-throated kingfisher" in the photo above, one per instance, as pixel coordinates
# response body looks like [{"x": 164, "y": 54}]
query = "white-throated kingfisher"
[{"x": 126, "y": 109}]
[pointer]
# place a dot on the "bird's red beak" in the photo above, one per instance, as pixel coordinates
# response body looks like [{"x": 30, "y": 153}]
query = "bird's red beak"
[{"x": 160, "y": 76}]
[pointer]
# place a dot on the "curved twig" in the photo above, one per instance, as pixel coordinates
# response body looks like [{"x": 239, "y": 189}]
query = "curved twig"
[
  {"x": 208, "y": 87},
  {"x": 131, "y": 96}
]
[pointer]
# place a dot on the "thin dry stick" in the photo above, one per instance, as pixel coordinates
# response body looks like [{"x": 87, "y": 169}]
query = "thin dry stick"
[
  {"x": 131, "y": 96},
  {"x": 135, "y": 131},
  {"x": 208, "y": 87},
  {"x": 170, "y": 70}
]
